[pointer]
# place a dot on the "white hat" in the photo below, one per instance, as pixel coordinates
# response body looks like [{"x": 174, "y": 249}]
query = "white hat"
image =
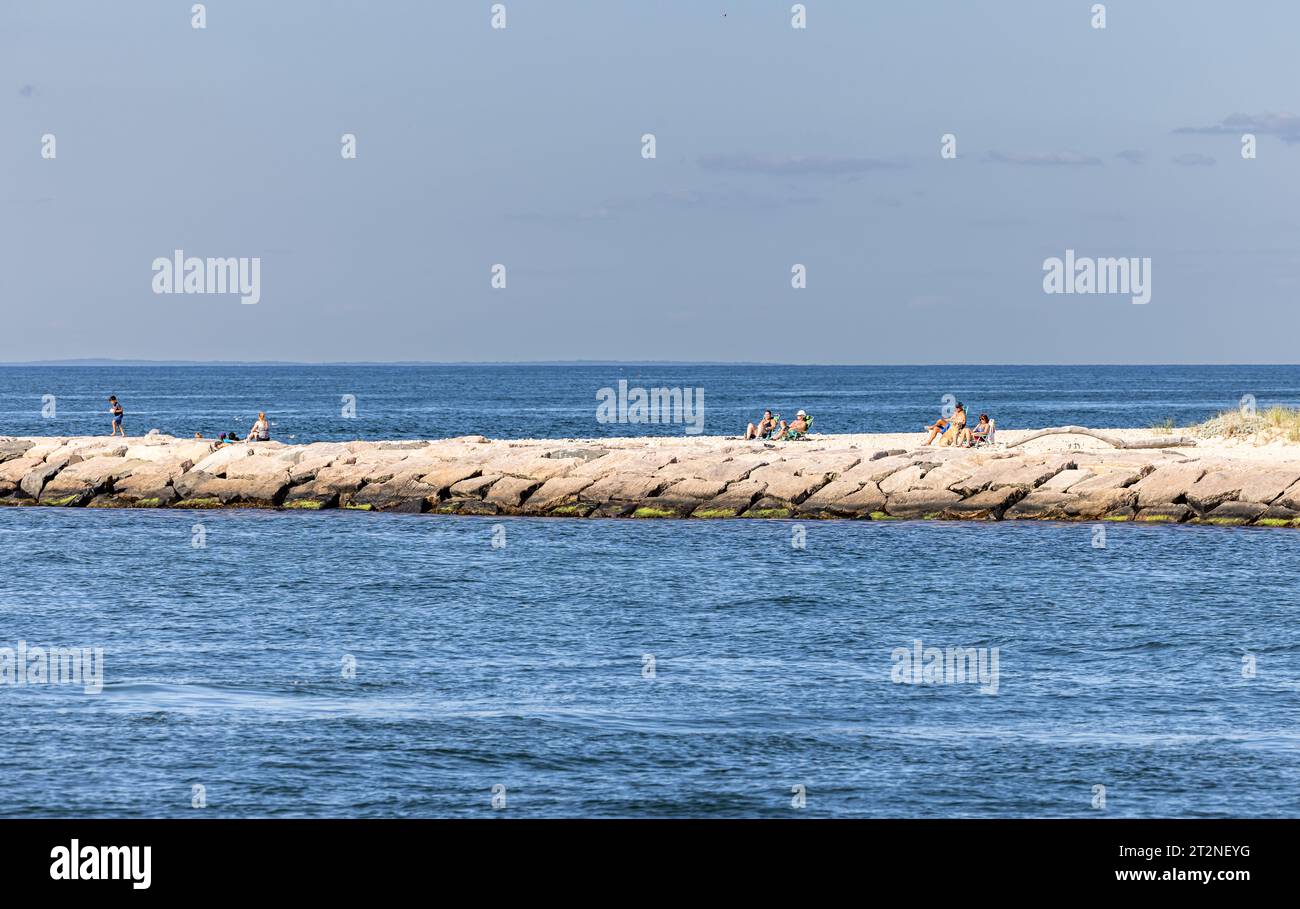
[{"x": 801, "y": 414}]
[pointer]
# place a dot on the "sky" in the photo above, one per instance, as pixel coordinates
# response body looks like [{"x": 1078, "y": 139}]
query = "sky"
[{"x": 774, "y": 147}]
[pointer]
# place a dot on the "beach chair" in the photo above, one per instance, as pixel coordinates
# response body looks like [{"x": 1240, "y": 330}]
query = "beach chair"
[
  {"x": 791, "y": 436},
  {"x": 989, "y": 441}
]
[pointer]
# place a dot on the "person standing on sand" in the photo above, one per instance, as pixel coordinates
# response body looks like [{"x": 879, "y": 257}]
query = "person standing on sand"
[
  {"x": 261, "y": 431},
  {"x": 116, "y": 409}
]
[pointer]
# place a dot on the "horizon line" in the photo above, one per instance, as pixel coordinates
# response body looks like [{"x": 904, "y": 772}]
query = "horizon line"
[{"x": 131, "y": 362}]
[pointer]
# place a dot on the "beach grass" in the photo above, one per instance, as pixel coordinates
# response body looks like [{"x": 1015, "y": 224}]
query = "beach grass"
[{"x": 1278, "y": 422}]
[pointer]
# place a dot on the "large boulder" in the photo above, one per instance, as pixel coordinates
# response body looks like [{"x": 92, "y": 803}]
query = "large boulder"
[
  {"x": 733, "y": 469},
  {"x": 149, "y": 484},
  {"x": 686, "y": 496},
  {"x": 866, "y": 500},
  {"x": 623, "y": 488},
  {"x": 1168, "y": 484},
  {"x": 1025, "y": 474},
  {"x": 1163, "y": 514},
  {"x": 77, "y": 483},
  {"x": 405, "y": 492},
  {"x": 443, "y": 478},
  {"x": 731, "y": 501},
  {"x": 475, "y": 487},
  {"x": 249, "y": 493},
  {"x": 509, "y": 493},
  {"x": 13, "y": 471},
  {"x": 873, "y": 471},
  {"x": 987, "y": 505},
  {"x": 11, "y": 449},
  {"x": 920, "y": 503},
  {"x": 1107, "y": 479},
  {"x": 557, "y": 492},
  {"x": 902, "y": 480},
  {"x": 1231, "y": 513},
  {"x": 1041, "y": 504},
  {"x": 1100, "y": 504},
  {"x": 1066, "y": 479},
  {"x": 35, "y": 479},
  {"x": 1247, "y": 483},
  {"x": 215, "y": 463},
  {"x": 1290, "y": 498},
  {"x": 783, "y": 483}
]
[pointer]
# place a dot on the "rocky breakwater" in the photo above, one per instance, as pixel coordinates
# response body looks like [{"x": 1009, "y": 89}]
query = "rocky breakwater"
[{"x": 830, "y": 477}]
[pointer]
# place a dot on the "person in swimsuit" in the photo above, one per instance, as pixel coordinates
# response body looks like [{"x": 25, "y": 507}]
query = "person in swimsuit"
[
  {"x": 980, "y": 433},
  {"x": 952, "y": 435},
  {"x": 764, "y": 429}
]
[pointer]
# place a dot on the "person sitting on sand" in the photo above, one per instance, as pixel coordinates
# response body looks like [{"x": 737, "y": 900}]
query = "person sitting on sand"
[
  {"x": 968, "y": 437},
  {"x": 764, "y": 429},
  {"x": 261, "y": 431}
]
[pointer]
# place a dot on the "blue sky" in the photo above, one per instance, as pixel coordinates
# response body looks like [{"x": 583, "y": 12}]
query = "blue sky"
[{"x": 775, "y": 146}]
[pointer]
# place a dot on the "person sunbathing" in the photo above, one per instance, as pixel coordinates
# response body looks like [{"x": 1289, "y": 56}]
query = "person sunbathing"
[
  {"x": 956, "y": 427},
  {"x": 764, "y": 429},
  {"x": 796, "y": 428},
  {"x": 971, "y": 437},
  {"x": 941, "y": 426}
]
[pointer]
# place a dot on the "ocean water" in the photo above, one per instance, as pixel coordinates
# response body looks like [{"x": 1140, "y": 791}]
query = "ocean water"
[
  {"x": 306, "y": 403},
  {"x": 626, "y": 668},
  {"x": 646, "y": 669}
]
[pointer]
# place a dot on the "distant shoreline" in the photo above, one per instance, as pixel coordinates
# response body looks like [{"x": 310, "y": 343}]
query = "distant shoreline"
[{"x": 131, "y": 363}]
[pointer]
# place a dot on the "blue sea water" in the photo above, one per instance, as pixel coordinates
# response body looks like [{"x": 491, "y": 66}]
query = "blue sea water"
[
  {"x": 528, "y": 665},
  {"x": 306, "y": 403}
]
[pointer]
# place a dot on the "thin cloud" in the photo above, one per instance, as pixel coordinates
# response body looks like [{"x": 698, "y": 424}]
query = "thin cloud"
[
  {"x": 1285, "y": 126},
  {"x": 27, "y": 91},
  {"x": 1045, "y": 159},
  {"x": 794, "y": 165},
  {"x": 1132, "y": 156},
  {"x": 699, "y": 200},
  {"x": 1193, "y": 159}
]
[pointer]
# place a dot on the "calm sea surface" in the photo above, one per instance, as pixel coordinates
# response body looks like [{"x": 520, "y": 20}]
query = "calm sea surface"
[{"x": 640, "y": 668}]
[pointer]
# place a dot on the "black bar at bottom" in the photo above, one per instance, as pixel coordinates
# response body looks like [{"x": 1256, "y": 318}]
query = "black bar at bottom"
[{"x": 335, "y": 857}]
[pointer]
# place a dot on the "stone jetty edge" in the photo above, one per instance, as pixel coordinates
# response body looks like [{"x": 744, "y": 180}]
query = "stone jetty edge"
[{"x": 702, "y": 478}]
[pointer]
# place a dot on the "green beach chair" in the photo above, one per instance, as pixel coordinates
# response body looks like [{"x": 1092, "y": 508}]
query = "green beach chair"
[{"x": 791, "y": 436}]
